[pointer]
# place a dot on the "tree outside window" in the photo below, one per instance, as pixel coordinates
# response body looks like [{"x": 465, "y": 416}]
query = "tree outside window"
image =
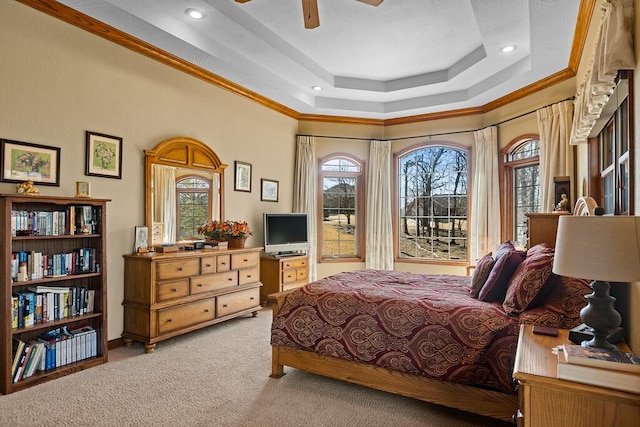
[
  {"x": 433, "y": 203},
  {"x": 340, "y": 234},
  {"x": 192, "y": 196}
]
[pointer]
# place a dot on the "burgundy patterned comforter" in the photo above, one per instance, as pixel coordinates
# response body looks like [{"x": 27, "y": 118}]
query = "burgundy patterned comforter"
[{"x": 415, "y": 323}]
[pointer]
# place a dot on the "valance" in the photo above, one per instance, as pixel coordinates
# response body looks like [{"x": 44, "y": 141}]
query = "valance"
[{"x": 614, "y": 52}]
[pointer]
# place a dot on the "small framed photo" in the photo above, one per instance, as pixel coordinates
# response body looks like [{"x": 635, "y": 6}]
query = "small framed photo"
[
  {"x": 82, "y": 189},
  {"x": 104, "y": 155},
  {"x": 269, "y": 190},
  {"x": 23, "y": 161},
  {"x": 141, "y": 244},
  {"x": 242, "y": 175}
]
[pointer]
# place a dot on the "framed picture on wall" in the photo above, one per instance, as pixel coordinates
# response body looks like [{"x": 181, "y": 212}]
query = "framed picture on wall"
[
  {"x": 23, "y": 161},
  {"x": 268, "y": 190},
  {"x": 104, "y": 155},
  {"x": 242, "y": 176}
]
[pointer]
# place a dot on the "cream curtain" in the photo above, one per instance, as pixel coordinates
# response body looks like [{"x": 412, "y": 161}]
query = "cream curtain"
[
  {"x": 614, "y": 52},
  {"x": 379, "y": 237},
  {"x": 164, "y": 190},
  {"x": 485, "y": 206},
  {"x": 556, "y": 159},
  {"x": 304, "y": 193}
]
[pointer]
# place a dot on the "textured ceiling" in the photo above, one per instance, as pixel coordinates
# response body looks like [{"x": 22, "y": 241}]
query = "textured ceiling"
[{"x": 402, "y": 58}]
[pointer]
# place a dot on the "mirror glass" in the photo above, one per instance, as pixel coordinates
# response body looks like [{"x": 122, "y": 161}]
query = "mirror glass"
[{"x": 184, "y": 189}]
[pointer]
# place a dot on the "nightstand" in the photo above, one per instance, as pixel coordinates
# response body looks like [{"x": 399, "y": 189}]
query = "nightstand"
[{"x": 546, "y": 401}]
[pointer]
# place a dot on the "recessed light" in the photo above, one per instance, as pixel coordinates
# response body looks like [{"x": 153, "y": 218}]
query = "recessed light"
[
  {"x": 508, "y": 48},
  {"x": 195, "y": 13},
  {"x": 316, "y": 87}
]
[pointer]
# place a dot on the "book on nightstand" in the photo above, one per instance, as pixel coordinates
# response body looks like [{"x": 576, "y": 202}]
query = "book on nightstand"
[
  {"x": 609, "y": 378},
  {"x": 602, "y": 358}
]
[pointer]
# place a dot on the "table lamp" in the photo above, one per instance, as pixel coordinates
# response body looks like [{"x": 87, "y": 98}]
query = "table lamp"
[{"x": 603, "y": 249}]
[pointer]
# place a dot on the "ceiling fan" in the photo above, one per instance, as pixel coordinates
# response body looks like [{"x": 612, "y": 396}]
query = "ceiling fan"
[{"x": 310, "y": 10}]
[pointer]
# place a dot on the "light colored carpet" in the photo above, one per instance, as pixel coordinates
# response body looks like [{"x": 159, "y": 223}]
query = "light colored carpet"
[{"x": 218, "y": 376}]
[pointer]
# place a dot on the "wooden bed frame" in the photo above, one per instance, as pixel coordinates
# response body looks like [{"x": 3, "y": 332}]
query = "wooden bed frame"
[{"x": 467, "y": 398}]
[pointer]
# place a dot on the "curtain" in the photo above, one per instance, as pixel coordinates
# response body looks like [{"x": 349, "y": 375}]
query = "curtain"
[
  {"x": 485, "y": 206},
  {"x": 379, "y": 237},
  {"x": 556, "y": 159},
  {"x": 614, "y": 52},
  {"x": 304, "y": 194},
  {"x": 164, "y": 190}
]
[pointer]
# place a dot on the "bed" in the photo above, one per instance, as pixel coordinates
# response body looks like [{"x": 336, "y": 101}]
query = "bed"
[{"x": 429, "y": 337}]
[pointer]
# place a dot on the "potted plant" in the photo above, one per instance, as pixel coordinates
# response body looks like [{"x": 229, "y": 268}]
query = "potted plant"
[{"x": 233, "y": 232}]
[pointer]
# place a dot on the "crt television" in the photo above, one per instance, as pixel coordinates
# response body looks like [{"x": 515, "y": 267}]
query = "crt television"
[{"x": 285, "y": 233}]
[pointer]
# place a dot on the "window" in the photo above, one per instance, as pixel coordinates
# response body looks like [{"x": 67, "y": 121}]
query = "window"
[
  {"x": 192, "y": 197},
  {"x": 340, "y": 235},
  {"x": 521, "y": 179},
  {"x": 433, "y": 203}
]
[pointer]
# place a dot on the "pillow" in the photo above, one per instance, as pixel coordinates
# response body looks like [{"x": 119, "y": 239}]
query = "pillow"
[
  {"x": 480, "y": 274},
  {"x": 531, "y": 282},
  {"x": 503, "y": 249},
  {"x": 540, "y": 247},
  {"x": 495, "y": 288}
]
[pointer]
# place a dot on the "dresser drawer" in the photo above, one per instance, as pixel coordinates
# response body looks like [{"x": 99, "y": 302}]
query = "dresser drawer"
[
  {"x": 223, "y": 262},
  {"x": 175, "y": 318},
  {"x": 208, "y": 264},
  {"x": 302, "y": 274},
  {"x": 249, "y": 275},
  {"x": 172, "y": 290},
  {"x": 177, "y": 269},
  {"x": 237, "y": 301},
  {"x": 294, "y": 263},
  {"x": 289, "y": 275},
  {"x": 244, "y": 260},
  {"x": 213, "y": 281}
]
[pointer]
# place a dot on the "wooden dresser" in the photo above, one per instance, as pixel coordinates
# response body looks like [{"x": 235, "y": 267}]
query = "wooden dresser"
[
  {"x": 546, "y": 401},
  {"x": 166, "y": 295},
  {"x": 542, "y": 228},
  {"x": 282, "y": 274}
]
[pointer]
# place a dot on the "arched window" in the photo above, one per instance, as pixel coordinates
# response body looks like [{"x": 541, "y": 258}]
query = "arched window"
[
  {"x": 193, "y": 209},
  {"x": 341, "y": 218},
  {"x": 521, "y": 182},
  {"x": 433, "y": 203}
]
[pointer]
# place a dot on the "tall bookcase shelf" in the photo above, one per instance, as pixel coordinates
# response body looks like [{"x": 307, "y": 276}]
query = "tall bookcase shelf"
[{"x": 53, "y": 242}]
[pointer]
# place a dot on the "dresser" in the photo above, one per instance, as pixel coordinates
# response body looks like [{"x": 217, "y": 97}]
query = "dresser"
[
  {"x": 170, "y": 294},
  {"x": 281, "y": 274},
  {"x": 542, "y": 228},
  {"x": 546, "y": 401}
]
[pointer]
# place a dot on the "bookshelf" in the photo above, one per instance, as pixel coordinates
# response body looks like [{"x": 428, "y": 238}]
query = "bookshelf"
[{"x": 56, "y": 247}]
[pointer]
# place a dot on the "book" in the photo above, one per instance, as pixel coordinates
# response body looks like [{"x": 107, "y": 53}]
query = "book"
[
  {"x": 17, "y": 346},
  {"x": 616, "y": 380},
  {"x": 602, "y": 358}
]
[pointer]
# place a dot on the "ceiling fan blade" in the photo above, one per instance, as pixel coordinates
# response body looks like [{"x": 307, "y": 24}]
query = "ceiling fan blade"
[
  {"x": 310, "y": 13},
  {"x": 371, "y": 2}
]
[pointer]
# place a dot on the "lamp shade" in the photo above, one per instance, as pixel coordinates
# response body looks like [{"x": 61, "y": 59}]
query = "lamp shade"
[{"x": 605, "y": 248}]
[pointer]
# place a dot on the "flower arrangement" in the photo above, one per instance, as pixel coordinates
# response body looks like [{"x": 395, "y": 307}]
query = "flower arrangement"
[{"x": 225, "y": 230}]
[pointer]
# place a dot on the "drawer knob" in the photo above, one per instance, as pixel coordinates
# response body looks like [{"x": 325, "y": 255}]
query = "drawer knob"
[
  {"x": 223, "y": 263},
  {"x": 230, "y": 279},
  {"x": 199, "y": 285},
  {"x": 251, "y": 298},
  {"x": 174, "y": 290},
  {"x": 248, "y": 276},
  {"x": 224, "y": 305},
  {"x": 245, "y": 260},
  {"x": 208, "y": 265},
  {"x": 206, "y": 310},
  {"x": 179, "y": 268},
  {"x": 169, "y": 320}
]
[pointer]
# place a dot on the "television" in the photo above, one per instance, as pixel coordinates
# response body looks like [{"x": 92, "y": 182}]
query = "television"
[{"x": 285, "y": 233}]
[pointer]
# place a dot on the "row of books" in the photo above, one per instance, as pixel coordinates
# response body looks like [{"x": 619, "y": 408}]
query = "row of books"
[
  {"x": 42, "y": 304},
  {"x": 52, "y": 349},
  {"x": 72, "y": 220},
  {"x": 618, "y": 370},
  {"x": 32, "y": 265}
]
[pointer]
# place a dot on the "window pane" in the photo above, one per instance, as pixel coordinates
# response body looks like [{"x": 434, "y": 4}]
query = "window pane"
[
  {"x": 608, "y": 193},
  {"x": 433, "y": 204},
  {"x": 528, "y": 149},
  {"x": 526, "y": 183},
  {"x": 193, "y": 195}
]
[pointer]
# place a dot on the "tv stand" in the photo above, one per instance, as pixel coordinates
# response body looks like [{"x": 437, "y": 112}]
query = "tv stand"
[{"x": 280, "y": 273}]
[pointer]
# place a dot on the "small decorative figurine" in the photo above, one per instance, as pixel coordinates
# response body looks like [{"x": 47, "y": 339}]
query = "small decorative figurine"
[
  {"x": 563, "y": 204},
  {"x": 22, "y": 272},
  {"x": 27, "y": 187}
]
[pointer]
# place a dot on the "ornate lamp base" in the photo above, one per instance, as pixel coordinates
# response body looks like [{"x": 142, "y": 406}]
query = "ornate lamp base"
[{"x": 600, "y": 315}]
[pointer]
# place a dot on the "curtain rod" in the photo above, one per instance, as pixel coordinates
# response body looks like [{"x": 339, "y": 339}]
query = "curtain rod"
[{"x": 571, "y": 98}]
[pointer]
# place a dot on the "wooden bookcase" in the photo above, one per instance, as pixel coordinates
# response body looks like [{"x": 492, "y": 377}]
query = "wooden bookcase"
[{"x": 41, "y": 245}]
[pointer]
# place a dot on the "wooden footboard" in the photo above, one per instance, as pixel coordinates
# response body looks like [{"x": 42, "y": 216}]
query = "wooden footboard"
[{"x": 472, "y": 399}]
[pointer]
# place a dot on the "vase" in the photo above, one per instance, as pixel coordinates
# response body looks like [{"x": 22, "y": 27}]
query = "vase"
[{"x": 236, "y": 243}]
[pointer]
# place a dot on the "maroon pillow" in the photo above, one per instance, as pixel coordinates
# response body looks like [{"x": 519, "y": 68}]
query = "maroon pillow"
[
  {"x": 531, "y": 281},
  {"x": 540, "y": 247},
  {"x": 480, "y": 274},
  {"x": 495, "y": 287},
  {"x": 503, "y": 249}
]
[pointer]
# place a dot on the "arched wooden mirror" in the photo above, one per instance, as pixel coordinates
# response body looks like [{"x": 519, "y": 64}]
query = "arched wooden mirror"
[{"x": 184, "y": 188}]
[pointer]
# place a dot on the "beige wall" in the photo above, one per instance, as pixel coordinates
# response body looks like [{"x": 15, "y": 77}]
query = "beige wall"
[{"x": 57, "y": 81}]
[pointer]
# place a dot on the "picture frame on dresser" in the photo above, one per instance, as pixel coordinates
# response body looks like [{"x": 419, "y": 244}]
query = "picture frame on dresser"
[
  {"x": 141, "y": 239},
  {"x": 103, "y": 155},
  {"x": 25, "y": 161}
]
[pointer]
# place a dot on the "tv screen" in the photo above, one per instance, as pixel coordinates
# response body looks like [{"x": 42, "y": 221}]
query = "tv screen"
[{"x": 285, "y": 233}]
